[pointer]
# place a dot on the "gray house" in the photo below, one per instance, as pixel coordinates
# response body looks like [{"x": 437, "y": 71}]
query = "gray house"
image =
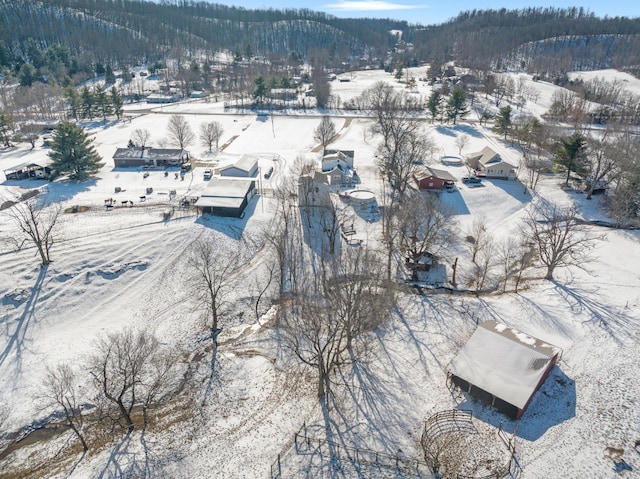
[{"x": 138, "y": 156}]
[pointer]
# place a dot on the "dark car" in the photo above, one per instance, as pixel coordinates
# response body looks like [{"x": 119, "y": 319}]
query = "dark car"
[
  {"x": 471, "y": 180},
  {"x": 267, "y": 175}
]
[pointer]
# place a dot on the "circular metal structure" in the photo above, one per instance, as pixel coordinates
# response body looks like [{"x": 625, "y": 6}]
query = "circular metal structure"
[{"x": 362, "y": 195}]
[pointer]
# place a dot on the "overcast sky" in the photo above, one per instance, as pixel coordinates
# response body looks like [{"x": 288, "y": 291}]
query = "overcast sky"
[{"x": 433, "y": 11}]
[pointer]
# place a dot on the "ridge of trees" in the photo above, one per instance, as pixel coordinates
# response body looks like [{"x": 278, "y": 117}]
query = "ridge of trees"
[
  {"x": 484, "y": 38},
  {"x": 117, "y": 32},
  {"x": 125, "y": 32}
]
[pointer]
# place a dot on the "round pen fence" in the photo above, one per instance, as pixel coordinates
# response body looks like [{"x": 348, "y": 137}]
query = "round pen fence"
[{"x": 456, "y": 446}]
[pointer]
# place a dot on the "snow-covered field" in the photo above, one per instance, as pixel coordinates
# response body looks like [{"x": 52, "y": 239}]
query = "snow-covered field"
[{"x": 126, "y": 267}]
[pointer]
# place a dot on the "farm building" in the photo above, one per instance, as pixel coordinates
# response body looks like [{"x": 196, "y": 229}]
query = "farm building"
[
  {"x": 503, "y": 367},
  {"x": 226, "y": 197},
  {"x": 163, "y": 98},
  {"x": 137, "y": 156},
  {"x": 432, "y": 179},
  {"x": 489, "y": 164},
  {"x": 244, "y": 167},
  {"x": 27, "y": 170},
  {"x": 284, "y": 93}
]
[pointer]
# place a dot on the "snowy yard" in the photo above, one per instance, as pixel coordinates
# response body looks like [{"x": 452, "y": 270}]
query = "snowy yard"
[{"x": 126, "y": 267}]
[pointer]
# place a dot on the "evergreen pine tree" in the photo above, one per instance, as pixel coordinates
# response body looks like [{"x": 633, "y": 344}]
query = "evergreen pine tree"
[
  {"x": 502, "y": 124},
  {"x": 74, "y": 102},
  {"x": 73, "y": 153},
  {"x": 88, "y": 103},
  {"x": 572, "y": 155},
  {"x": 434, "y": 104},
  {"x": 109, "y": 76},
  {"x": 116, "y": 102},
  {"x": 457, "y": 106}
]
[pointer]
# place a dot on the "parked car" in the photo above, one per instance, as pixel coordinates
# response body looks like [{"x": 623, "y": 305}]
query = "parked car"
[
  {"x": 267, "y": 175},
  {"x": 185, "y": 166},
  {"x": 208, "y": 173},
  {"x": 471, "y": 180}
]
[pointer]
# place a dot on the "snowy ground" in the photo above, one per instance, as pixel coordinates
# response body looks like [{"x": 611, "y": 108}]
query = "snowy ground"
[{"x": 126, "y": 268}]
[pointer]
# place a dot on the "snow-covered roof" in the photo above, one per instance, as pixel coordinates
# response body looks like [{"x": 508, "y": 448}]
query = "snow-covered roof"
[
  {"x": 148, "y": 152},
  {"x": 432, "y": 172},
  {"x": 338, "y": 154},
  {"x": 244, "y": 163},
  {"x": 504, "y": 362},
  {"x": 225, "y": 188},
  {"x": 485, "y": 156},
  {"x": 29, "y": 165}
]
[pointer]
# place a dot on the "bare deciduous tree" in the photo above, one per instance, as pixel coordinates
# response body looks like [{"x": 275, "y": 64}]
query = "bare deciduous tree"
[
  {"x": 31, "y": 132},
  {"x": 326, "y": 321},
  {"x": 425, "y": 227},
  {"x": 559, "y": 238},
  {"x": 140, "y": 137},
  {"x": 603, "y": 160},
  {"x": 210, "y": 282},
  {"x": 130, "y": 370},
  {"x": 403, "y": 155},
  {"x": 60, "y": 390},
  {"x": 478, "y": 237},
  {"x": 179, "y": 131},
  {"x": 284, "y": 233},
  {"x": 325, "y": 131},
  {"x": 461, "y": 142},
  {"x": 37, "y": 223},
  {"x": 514, "y": 256},
  {"x": 481, "y": 267},
  {"x": 210, "y": 133}
]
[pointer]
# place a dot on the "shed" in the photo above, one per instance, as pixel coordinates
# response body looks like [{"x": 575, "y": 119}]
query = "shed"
[
  {"x": 27, "y": 170},
  {"x": 284, "y": 93},
  {"x": 244, "y": 167},
  {"x": 226, "y": 196},
  {"x": 138, "y": 156},
  {"x": 433, "y": 179},
  {"x": 503, "y": 367},
  {"x": 162, "y": 98}
]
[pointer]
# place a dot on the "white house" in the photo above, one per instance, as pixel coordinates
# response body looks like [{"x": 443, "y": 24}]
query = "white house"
[
  {"x": 490, "y": 164},
  {"x": 342, "y": 159}
]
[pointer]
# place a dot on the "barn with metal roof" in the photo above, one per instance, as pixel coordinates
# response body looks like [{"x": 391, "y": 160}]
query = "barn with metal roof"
[{"x": 503, "y": 367}]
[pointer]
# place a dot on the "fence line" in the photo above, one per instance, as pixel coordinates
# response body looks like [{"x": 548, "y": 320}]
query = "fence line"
[{"x": 359, "y": 455}]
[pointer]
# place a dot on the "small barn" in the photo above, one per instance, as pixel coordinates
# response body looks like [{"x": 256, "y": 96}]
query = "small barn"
[
  {"x": 284, "y": 93},
  {"x": 244, "y": 167},
  {"x": 490, "y": 164},
  {"x": 433, "y": 179},
  {"x": 24, "y": 171},
  {"x": 503, "y": 367},
  {"x": 162, "y": 98},
  {"x": 226, "y": 197},
  {"x": 138, "y": 156}
]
